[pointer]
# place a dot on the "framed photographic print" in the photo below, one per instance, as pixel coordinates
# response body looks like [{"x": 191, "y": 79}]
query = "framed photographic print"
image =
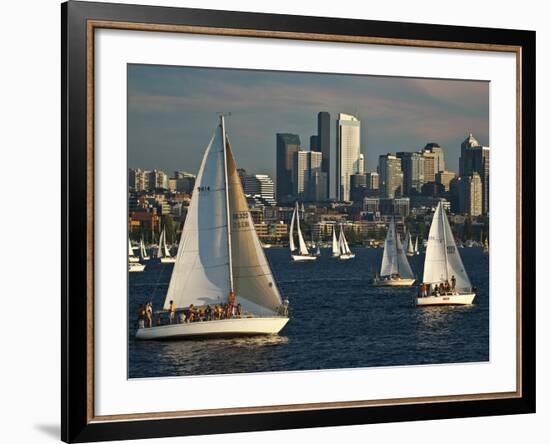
[{"x": 277, "y": 221}]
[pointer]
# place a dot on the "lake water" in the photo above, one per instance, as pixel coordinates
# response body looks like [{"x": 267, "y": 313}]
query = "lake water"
[{"x": 338, "y": 320}]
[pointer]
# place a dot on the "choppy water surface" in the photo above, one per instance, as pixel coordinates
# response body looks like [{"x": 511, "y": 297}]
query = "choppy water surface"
[{"x": 338, "y": 320}]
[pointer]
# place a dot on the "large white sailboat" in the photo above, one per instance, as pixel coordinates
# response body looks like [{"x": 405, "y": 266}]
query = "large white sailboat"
[
  {"x": 132, "y": 258},
  {"x": 335, "y": 244},
  {"x": 220, "y": 259},
  {"x": 143, "y": 251},
  {"x": 163, "y": 252},
  {"x": 443, "y": 267},
  {"x": 301, "y": 253},
  {"x": 395, "y": 270},
  {"x": 345, "y": 252}
]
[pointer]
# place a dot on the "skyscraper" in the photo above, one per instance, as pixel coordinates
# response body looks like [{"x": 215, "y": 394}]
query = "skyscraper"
[
  {"x": 307, "y": 166},
  {"x": 475, "y": 158},
  {"x": 323, "y": 145},
  {"x": 348, "y": 138},
  {"x": 445, "y": 178},
  {"x": 287, "y": 146},
  {"x": 314, "y": 143},
  {"x": 471, "y": 196},
  {"x": 438, "y": 154},
  {"x": 391, "y": 176},
  {"x": 373, "y": 181},
  {"x": 429, "y": 166},
  {"x": 412, "y": 165}
]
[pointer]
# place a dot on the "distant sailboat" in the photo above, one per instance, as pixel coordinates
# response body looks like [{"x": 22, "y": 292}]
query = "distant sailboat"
[
  {"x": 131, "y": 256},
  {"x": 443, "y": 265},
  {"x": 143, "y": 251},
  {"x": 335, "y": 244},
  {"x": 409, "y": 244},
  {"x": 134, "y": 267},
  {"x": 163, "y": 252},
  {"x": 486, "y": 246},
  {"x": 301, "y": 253},
  {"x": 220, "y": 259},
  {"x": 416, "y": 250},
  {"x": 345, "y": 252},
  {"x": 395, "y": 270}
]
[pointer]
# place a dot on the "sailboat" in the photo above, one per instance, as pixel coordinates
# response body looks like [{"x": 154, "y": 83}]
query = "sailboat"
[
  {"x": 409, "y": 244},
  {"x": 220, "y": 259},
  {"x": 143, "y": 251},
  {"x": 163, "y": 252},
  {"x": 486, "y": 246},
  {"x": 135, "y": 267},
  {"x": 444, "y": 265},
  {"x": 416, "y": 250},
  {"x": 301, "y": 253},
  {"x": 318, "y": 249},
  {"x": 335, "y": 244},
  {"x": 345, "y": 252},
  {"x": 395, "y": 270},
  {"x": 132, "y": 258}
]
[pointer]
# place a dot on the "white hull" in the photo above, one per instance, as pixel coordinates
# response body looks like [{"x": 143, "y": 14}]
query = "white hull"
[
  {"x": 410, "y": 254},
  {"x": 167, "y": 260},
  {"x": 135, "y": 267},
  {"x": 133, "y": 259},
  {"x": 450, "y": 299},
  {"x": 344, "y": 257},
  {"x": 299, "y": 258},
  {"x": 393, "y": 282},
  {"x": 219, "y": 328}
]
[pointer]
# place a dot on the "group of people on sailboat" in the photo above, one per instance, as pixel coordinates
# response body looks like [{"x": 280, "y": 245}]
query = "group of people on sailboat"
[{"x": 440, "y": 289}]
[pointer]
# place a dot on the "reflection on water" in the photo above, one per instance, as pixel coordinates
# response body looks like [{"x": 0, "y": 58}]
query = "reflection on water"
[{"x": 338, "y": 320}]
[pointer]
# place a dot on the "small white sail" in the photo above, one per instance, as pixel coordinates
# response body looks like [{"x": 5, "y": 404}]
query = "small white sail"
[
  {"x": 335, "y": 245},
  {"x": 166, "y": 249},
  {"x": 160, "y": 252},
  {"x": 409, "y": 244},
  {"x": 442, "y": 258},
  {"x": 301, "y": 242},
  {"x": 416, "y": 245},
  {"x": 343, "y": 243},
  {"x": 291, "y": 244},
  {"x": 143, "y": 251},
  {"x": 403, "y": 266},
  {"x": 130, "y": 248},
  {"x": 389, "y": 257}
]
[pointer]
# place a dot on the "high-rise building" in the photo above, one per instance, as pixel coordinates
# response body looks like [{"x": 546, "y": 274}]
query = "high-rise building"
[
  {"x": 391, "y": 176},
  {"x": 314, "y": 143},
  {"x": 361, "y": 164},
  {"x": 287, "y": 146},
  {"x": 348, "y": 138},
  {"x": 259, "y": 185},
  {"x": 429, "y": 166},
  {"x": 158, "y": 179},
  {"x": 318, "y": 186},
  {"x": 438, "y": 154},
  {"x": 307, "y": 164},
  {"x": 373, "y": 181},
  {"x": 412, "y": 165},
  {"x": 323, "y": 145},
  {"x": 471, "y": 195},
  {"x": 475, "y": 158},
  {"x": 444, "y": 178}
]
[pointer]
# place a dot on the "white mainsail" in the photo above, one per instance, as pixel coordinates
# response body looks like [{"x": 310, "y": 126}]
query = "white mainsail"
[
  {"x": 215, "y": 257},
  {"x": 343, "y": 243},
  {"x": 394, "y": 260},
  {"x": 166, "y": 249},
  {"x": 335, "y": 245},
  {"x": 301, "y": 242},
  {"x": 291, "y": 244},
  {"x": 201, "y": 271},
  {"x": 130, "y": 248},
  {"x": 442, "y": 259},
  {"x": 142, "y": 249},
  {"x": 160, "y": 252},
  {"x": 416, "y": 245}
]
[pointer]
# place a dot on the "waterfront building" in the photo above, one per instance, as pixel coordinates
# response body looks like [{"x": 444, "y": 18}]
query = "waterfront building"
[
  {"x": 287, "y": 146},
  {"x": 391, "y": 176},
  {"x": 371, "y": 205},
  {"x": 402, "y": 206},
  {"x": 259, "y": 185},
  {"x": 373, "y": 181},
  {"x": 348, "y": 138}
]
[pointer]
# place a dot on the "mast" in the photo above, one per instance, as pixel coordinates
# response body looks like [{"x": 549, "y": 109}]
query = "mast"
[
  {"x": 228, "y": 212},
  {"x": 442, "y": 215}
]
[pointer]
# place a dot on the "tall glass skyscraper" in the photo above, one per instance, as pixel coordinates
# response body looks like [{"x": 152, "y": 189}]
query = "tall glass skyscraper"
[
  {"x": 287, "y": 147},
  {"x": 323, "y": 145},
  {"x": 348, "y": 138}
]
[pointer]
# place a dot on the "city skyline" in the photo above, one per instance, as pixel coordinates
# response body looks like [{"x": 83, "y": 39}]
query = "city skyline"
[{"x": 172, "y": 110}]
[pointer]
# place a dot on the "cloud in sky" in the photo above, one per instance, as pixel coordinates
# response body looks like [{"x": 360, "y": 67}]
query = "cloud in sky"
[{"x": 172, "y": 113}]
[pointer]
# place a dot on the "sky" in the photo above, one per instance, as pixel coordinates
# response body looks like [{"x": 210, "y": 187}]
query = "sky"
[{"x": 172, "y": 113}]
